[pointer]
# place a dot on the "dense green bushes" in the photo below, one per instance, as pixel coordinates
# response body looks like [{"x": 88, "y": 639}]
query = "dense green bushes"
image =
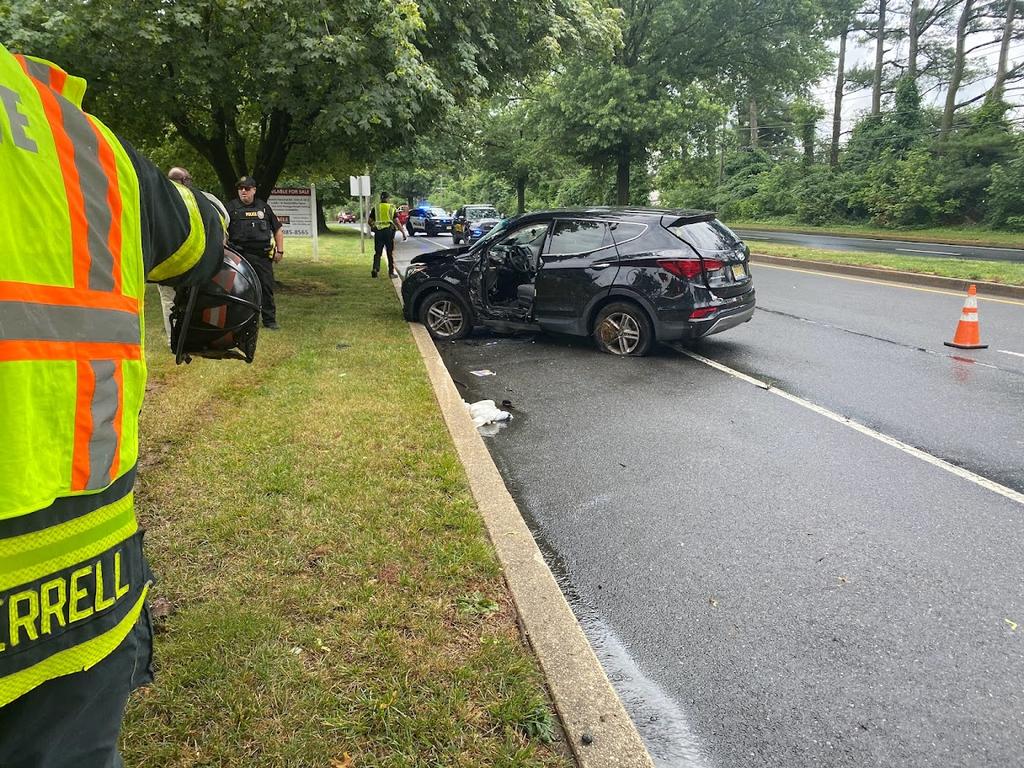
[
  {"x": 896, "y": 170},
  {"x": 1006, "y": 193}
]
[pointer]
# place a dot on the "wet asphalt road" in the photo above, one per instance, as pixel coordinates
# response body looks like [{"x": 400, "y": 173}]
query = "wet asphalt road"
[
  {"x": 765, "y": 586},
  {"x": 871, "y": 245}
]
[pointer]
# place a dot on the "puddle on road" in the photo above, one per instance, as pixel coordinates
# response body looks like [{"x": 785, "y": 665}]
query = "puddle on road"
[{"x": 661, "y": 722}]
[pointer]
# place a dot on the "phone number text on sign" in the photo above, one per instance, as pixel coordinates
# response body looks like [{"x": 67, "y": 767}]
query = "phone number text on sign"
[{"x": 293, "y": 207}]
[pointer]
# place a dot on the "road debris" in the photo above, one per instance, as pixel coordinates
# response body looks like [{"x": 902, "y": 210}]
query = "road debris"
[{"x": 486, "y": 412}]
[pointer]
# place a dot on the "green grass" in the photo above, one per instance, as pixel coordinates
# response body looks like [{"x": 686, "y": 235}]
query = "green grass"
[
  {"x": 987, "y": 271},
  {"x": 311, "y": 526},
  {"x": 953, "y": 235}
]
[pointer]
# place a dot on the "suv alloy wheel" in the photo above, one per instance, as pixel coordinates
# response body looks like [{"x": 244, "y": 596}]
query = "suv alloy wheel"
[
  {"x": 622, "y": 328},
  {"x": 445, "y": 316}
]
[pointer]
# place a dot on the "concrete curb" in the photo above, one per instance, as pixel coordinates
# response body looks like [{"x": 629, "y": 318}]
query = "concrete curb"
[
  {"x": 894, "y": 276},
  {"x": 587, "y": 705}
]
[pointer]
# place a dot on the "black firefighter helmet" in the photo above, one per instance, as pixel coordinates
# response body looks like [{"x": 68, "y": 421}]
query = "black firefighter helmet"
[{"x": 222, "y": 314}]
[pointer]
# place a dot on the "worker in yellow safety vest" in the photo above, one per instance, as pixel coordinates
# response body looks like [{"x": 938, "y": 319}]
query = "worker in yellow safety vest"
[
  {"x": 88, "y": 221},
  {"x": 383, "y": 221}
]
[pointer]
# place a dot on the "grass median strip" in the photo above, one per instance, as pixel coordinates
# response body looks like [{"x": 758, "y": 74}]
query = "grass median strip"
[
  {"x": 333, "y": 599},
  {"x": 991, "y": 238},
  {"x": 1009, "y": 273}
]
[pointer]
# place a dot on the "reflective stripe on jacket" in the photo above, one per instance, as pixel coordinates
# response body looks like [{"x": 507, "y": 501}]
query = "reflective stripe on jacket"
[
  {"x": 383, "y": 213},
  {"x": 72, "y": 376}
]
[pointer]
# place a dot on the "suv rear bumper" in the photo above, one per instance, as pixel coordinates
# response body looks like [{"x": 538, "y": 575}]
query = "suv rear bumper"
[{"x": 727, "y": 318}]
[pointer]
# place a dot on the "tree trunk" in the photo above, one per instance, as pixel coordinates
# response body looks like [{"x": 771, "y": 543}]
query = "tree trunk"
[
  {"x": 876, "y": 88},
  {"x": 214, "y": 150},
  {"x": 837, "y": 111},
  {"x": 622, "y": 176},
  {"x": 721, "y": 155},
  {"x": 272, "y": 153},
  {"x": 1004, "y": 52},
  {"x": 915, "y": 9},
  {"x": 521, "y": 193},
  {"x": 958, "y": 71},
  {"x": 321, "y": 219},
  {"x": 807, "y": 138},
  {"x": 752, "y": 114},
  {"x": 235, "y": 140}
]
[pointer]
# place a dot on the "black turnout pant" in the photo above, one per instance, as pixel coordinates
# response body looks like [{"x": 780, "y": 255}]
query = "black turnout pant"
[
  {"x": 75, "y": 721},
  {"x": 384, "y": 238}
]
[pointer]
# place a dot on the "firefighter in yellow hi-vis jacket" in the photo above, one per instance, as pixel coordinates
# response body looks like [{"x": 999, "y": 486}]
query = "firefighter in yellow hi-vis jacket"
[{"x": 87, "y": 223}]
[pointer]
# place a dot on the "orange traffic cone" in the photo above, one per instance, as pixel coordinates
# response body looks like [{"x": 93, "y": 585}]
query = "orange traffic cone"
[{"x": 968, "y": 335}]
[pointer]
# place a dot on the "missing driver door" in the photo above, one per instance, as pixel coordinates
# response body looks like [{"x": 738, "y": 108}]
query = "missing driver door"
[{"x": 506, "y": 265}]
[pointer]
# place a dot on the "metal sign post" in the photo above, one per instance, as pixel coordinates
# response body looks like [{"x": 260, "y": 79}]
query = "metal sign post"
[
  {"x": 360, "y": 186},
  {"x": 312, "y": 217}
]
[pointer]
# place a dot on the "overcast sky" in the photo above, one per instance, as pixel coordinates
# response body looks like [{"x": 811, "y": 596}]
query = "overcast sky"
[{"x": 859, "y": 102}]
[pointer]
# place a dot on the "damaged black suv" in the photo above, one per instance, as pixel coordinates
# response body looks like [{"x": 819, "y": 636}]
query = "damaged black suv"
[{"x": 629, "y": 277}]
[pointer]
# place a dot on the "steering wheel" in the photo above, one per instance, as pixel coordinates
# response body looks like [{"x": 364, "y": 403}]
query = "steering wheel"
[{"x": 519, "y": 258}]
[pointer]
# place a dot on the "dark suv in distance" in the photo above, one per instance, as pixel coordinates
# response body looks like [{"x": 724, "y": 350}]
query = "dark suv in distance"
[
  {"x": 629, "y": 277},
  {"x": 473, "y": 222},
  {"x": 428, "y": 219}
]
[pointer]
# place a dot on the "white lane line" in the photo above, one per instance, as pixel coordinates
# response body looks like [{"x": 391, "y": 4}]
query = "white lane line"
[
  {"x": 1008, "y": 352},
  {"x": 978, "y": 480},
  {"x": 934, "y": 253},
  {"x": 883, "y": 283}
]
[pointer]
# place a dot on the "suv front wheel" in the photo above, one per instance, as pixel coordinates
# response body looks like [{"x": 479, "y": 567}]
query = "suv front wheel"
[
  {"x": 445, "y": 316},
  {"x": 622, "y": 328}
]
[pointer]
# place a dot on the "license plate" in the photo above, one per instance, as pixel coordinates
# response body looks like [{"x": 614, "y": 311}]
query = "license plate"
[{"x": 738, "y": 272}]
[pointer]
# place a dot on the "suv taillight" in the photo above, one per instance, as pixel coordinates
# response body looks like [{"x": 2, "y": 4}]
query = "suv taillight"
[{"x": 688, "y": 269}]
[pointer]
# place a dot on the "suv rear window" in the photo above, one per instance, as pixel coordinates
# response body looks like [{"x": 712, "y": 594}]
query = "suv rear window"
[
  {"x": 707, "y": 235},
  {"x": 474, "y": 214}
]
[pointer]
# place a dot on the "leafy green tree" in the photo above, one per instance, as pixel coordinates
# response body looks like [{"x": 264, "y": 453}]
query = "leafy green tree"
[
  {"x": 246, "y": 84},
  {"x": 897, "y": 130},
  {"x": 805, "y": 115},
  {"x": 965, "y": 158},
  {"x": 513, "y": 149},
  {"x": 613, "y": 111},
  {"x": 1005, "y": 194}
]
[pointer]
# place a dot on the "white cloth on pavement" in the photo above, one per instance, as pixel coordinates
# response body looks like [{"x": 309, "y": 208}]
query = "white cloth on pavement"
[{"x": 485, "y": 412}]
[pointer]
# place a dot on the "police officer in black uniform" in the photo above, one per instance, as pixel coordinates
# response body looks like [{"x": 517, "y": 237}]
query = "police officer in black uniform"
[{"x": 251, "y": 226}]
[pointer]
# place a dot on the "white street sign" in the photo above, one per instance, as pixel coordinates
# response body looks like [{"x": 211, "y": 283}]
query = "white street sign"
[{"x": 359, "y": 186}]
